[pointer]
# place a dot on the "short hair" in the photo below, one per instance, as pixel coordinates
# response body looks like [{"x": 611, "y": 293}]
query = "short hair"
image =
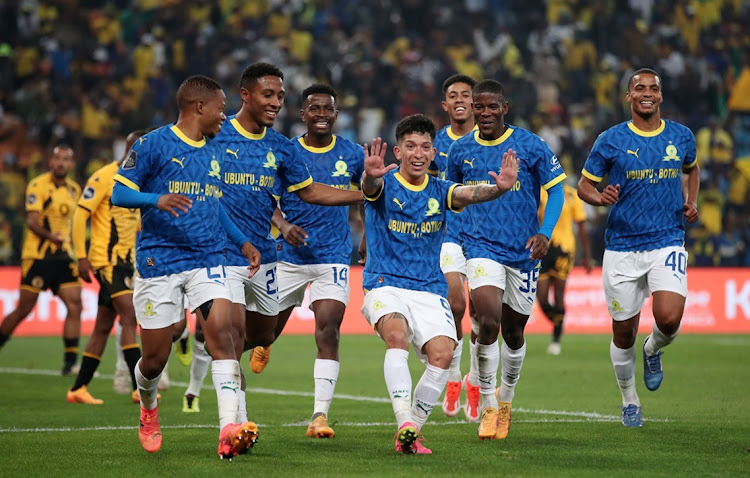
[
  {"x": 195, "y": 88},
  {"x": 458, "y": 78},
  {"x": 318, "y": 88},
  {"x": 640, "y": 71},
  {"x": 133, "y": 136},
  {"x": 63, "y": 146},
  {"x": 256, "y": 71},
  {"x": 489, "y": 86},
  {"x": 418, "y": 124}
]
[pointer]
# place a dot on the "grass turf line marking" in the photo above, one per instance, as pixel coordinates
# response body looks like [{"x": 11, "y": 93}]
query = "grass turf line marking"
[{"x": 585, "y": 416}]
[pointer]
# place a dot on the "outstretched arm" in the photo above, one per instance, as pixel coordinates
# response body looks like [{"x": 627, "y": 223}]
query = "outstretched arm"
[
  {"x": 324, "y": 195},
  {"x": 375, "y": 167},
  {"x": 466, "y": 195}
]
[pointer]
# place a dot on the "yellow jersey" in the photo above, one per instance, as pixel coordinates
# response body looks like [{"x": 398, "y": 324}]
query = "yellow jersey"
[
  {"x": 55, "y": 205},
  {"x": 572, "y": 212},
  {"x": 113, "y": 228}
]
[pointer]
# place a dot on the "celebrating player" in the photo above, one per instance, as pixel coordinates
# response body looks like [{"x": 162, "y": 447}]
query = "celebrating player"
[
  {"x": 320, "y": 240},
  {"x": 174, "y": 175},
  {"x": 503, "y": 244},
  {"x": 405, "y": 213},
  {"x": 646, "y": 159}
]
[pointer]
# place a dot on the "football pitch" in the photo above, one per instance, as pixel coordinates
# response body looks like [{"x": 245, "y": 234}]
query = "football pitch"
[{"x": 565, "y": 418}]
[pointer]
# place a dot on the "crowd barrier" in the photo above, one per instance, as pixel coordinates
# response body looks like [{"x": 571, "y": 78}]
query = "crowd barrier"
[{"x": 718, "y": 302}]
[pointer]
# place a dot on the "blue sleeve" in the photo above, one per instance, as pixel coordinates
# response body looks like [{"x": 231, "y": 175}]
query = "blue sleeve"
[
  {"x": 553, "y": 209},
  {"x": 453, "y": 167},
  {"x": 124, "y": 196},
  {"x": 233, "y": 232}
]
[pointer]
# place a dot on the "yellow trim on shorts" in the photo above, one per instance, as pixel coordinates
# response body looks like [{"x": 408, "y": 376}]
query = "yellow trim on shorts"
[
  {"x": 122, "y": 292},
  {"x": 70, "y": 284},
  {"x": 31, "y": 289}
]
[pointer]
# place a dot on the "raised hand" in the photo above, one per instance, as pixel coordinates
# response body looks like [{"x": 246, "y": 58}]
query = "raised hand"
[
  {"x": 508, "y": 171},
  {"x": 173, "y": 203},
  {"x": 375, "y": 159}
]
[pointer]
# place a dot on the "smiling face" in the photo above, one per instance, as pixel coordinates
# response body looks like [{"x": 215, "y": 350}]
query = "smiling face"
[
  {"x": 212, "y": 113},
  {"x": 489, "y": 113},
  {"x": 415, "y": 152},
  {"x": 644, "y": 95},
  {"x": 319, "y": 113},
  {"x": 264, "y": 100},
  {"x": 457, "y": 102}
]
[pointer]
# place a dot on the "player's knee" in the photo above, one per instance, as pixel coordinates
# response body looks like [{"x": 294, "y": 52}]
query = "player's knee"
[
  {"x": 396, "y": 339},
  {"x": 327, "y": 336},
  {"x": 441, "y": 357},
  {"x": 546, "y": 308},
  {"x": 488, "y": 329},
  {"x": 513, "y": 338}
]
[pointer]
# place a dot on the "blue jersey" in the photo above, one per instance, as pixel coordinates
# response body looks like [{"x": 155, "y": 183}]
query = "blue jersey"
[
  {"x": 253, "y": 164},
  {"x": 405, "y": 225},
  {"x": 340, "y": 165},
  {"x": 499, "y": 229},
  {"x": 443, "y": 141},
  {"x": 166, "y": 161},
  {"x": 647, "y": 166}
]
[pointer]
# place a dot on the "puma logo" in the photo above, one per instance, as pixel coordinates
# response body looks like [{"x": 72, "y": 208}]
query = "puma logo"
[
  {"x": 470, "y": 163},
  {"x": 634, "y": 153},
  {"x": 179, "y": 161},
  {"x": 400, "y": 204},
  {"x": 234, "y": 153}
]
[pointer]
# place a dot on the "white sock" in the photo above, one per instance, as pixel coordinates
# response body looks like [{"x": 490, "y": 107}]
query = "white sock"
[
  {"x": 398, "y": 383},
  {"x": 121, "y": 363},
  {"x": 623, "y": 360},
  {"x": 242, "y": 404},
  {"x": 657, "y": 340},
  {"x": 454, "y": 372},
  {"x": 488, "y": 359},
  {"x": 427, "y": 393},
  {"x": 325, "y": 376},
  {"x": 146, "y": 388},
  {"x": 198, "y": 369},
  {"x": 226, "y": 377},
  {"x": 511, "y": 371},
  {"x": 473, "y": 364}
]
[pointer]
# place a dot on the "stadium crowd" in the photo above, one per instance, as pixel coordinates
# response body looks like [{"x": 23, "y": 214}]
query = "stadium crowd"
[{"x": 85, "y": 72}]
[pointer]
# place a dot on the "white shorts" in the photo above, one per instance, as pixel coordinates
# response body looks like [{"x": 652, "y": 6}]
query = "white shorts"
[
  {"x": 327, "y": 281},
  {"x": 452, "y": 258},
  {"x": 259, "y": 293},
  {"x": 629, "y": 277},
  {"x": 160, "y": 301},
  {"x": 427, "y": 315},
  {"x": 519, "y": 287}
]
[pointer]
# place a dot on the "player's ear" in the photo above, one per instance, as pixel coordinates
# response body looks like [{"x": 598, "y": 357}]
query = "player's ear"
[{"x": 397, "y": 152}]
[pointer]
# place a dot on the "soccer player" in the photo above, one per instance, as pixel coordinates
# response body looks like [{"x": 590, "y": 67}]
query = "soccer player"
[
  {"x": 47, "y": 258},
  {"x": 173, "y": 174},
  {"x": 558, "y": 262},
  {"x": 647, "y": 159},
  {"x": 111, "y": 258},
  {"x": 457, "y": 103},
  {"x": 405, "y": 213},
  {"x": 321, "y": 243},
  {"x": 255, "y": 158},
  {"x": 503, "y": 243}
]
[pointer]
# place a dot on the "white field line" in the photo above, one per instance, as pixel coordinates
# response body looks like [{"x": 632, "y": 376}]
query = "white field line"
[{"x": 575, "y": 416}]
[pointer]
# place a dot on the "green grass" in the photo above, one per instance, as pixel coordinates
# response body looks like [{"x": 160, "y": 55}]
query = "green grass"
[{"x": 565, "y": 418}]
